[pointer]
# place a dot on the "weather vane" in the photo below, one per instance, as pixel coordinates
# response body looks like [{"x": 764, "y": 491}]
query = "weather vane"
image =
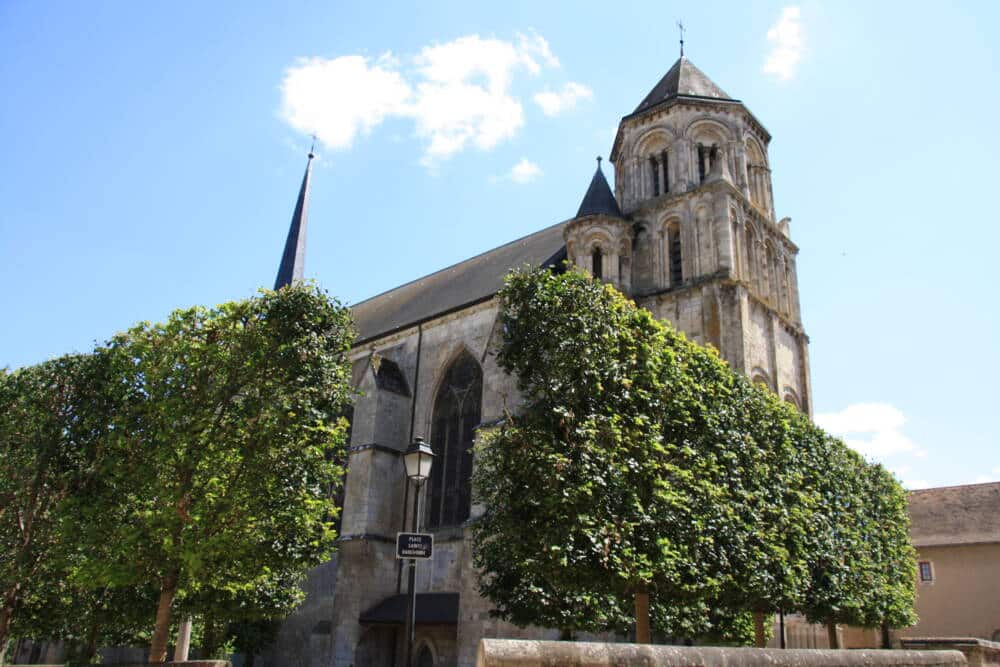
[
  {"x": 313, "y": 146},
  {"x": 680, "y": 26}
]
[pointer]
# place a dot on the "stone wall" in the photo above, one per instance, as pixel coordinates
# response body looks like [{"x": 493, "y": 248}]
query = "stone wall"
[
  {"x": 978, "y": 652},
  {"x": 521, "y": 653}
]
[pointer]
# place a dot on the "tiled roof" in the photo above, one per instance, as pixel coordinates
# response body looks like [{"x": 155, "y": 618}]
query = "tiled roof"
[
  {"x": 599, "y": 199},
  {"x": 968, "y": 514},
  {"x": 463, "y": 284},
  {"x": 682, "y": 80}
]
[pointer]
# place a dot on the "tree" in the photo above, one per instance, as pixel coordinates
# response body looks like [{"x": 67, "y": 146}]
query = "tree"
[
  {"x": 608, "y": 458},
  {"x": 220, "y": 458},
  {"x": 651, "y": 472},
  {"x": 52, "y": 416},
  {"x": 890, "y": 603}
]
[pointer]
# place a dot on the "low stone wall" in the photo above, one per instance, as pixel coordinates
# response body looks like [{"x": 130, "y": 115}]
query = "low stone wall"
[
  {"x": 978, "y": 652},
  {"x": 526, "y": 653}
]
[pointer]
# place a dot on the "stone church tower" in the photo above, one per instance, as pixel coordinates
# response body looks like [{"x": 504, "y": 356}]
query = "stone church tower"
[{"x": 691, "y": 232}]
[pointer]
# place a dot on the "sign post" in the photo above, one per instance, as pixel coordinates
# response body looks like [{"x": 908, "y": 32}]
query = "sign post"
[{"x": 414, "y": 545}]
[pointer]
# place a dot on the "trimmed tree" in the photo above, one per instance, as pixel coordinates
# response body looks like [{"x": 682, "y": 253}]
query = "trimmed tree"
[
  {"x": 51, "y": 417},
  {"x": 609, "y": 459},
  {"x": 219, "y": 462}
]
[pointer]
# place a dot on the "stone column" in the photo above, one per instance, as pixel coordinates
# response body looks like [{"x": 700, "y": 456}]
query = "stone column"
[{"x": 184, "y": 641}]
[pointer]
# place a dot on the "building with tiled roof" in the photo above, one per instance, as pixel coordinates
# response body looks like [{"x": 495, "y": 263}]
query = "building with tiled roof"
[{"x": 688, "y": 231}]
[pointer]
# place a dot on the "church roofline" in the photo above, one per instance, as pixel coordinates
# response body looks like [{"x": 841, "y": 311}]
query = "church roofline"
[{"x": 455, "y": 287}]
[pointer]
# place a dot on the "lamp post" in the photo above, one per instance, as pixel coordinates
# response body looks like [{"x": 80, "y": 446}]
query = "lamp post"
[{"x": 417, "y": 459}]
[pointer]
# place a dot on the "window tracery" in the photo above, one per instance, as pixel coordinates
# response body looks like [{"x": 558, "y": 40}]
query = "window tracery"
[{"x": 456, "y": 415}]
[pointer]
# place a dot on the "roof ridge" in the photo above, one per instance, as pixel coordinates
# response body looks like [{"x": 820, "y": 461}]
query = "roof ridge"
[{"x": 955, "y": 486}]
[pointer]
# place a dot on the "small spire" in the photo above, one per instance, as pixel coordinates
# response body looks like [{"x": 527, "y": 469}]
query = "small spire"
[
  {"x": 599, "y": 158},
  {"x": 680, "y": 26},
  {"x": 294, "y": 258}
]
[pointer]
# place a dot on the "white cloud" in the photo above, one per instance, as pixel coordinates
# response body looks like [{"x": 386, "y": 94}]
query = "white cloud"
[
  {"x": 457, "y": 93},
  {"x": 785, "y": 37},
  {"x": 872, "y": 429},
  {"x": 524, "y": 171},
  {"x": 555, "y": 102},
  {"x": 335, "y": 99}
]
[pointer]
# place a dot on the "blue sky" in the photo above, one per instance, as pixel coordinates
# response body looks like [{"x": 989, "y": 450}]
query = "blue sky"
[{"x": 151, "y": 153}]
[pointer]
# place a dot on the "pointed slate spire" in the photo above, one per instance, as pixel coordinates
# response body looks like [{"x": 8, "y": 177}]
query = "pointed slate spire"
[
  {"x": 599, "y": 199},
  {"x": 294, "y": 258},
  {"x": 683, "y": 79}
]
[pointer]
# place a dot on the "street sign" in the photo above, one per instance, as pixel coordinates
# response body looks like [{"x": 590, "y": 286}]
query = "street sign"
[{"x": 414, "y": 545}]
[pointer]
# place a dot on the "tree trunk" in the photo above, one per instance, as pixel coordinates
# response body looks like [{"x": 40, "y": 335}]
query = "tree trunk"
[
  {"x": 91, "y": 647},
  {"x": 209, "y": 641},
  {"x": 158, "y": 647},
  {"x": 759, "y": 635},
  {"x": 6, "y": 615},
  {"x": 831, "y": 634},
  {"x": 886, "y": 637},
  {"x": 642, "y": 633}
]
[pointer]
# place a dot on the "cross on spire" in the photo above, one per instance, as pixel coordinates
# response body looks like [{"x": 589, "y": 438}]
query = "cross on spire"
[
  {"x": 312, "y": 146},
  {"x": 680, "y": 26}
]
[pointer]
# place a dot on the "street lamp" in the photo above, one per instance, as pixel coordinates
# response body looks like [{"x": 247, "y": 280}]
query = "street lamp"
[{"x": 418, "y": 459}]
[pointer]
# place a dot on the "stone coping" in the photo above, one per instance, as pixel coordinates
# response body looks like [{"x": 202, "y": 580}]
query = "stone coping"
[
  {"x": 948, "y": 641},
  {"x": 528, "y": 653}
]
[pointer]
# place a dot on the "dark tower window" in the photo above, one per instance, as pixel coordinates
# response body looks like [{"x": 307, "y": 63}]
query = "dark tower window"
[
  {"x": 674, "y": 247},
  {"x": 666, "y": 172},
  {"x": 702, "y": 171},
  {"x": 456, "y": 416},
  {"x": 654, "y": 170},
  {"x": 597, "y": 263}
]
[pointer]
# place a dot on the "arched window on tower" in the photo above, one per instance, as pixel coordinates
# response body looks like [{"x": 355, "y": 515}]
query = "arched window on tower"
[
  {"x": 707, "y": 156},
  {"x": 654, "y": 171},
  {"x": 665, "y": 165},
  {"x": 675, "y": 259},
  {"x": 456, "y": 416},
  {"x": 597, "y": 263}
]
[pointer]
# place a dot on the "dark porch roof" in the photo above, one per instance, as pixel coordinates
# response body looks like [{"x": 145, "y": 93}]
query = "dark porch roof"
[
  {"x": 463, "y": 284},
  {"x": 432, "y": 609}
]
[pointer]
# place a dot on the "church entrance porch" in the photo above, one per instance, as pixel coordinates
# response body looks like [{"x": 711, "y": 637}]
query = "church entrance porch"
[{"x": 381, "y": 643}]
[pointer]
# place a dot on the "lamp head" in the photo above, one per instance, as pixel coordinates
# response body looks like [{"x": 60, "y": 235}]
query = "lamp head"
[{"x": 418, "y": 459}]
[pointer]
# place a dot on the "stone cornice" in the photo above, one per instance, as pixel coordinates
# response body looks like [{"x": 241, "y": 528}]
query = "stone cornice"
[
  {"x": 373, "y": 446},
  {"x": 657, "y": 204},
  {"x": 726, "y": 279}
]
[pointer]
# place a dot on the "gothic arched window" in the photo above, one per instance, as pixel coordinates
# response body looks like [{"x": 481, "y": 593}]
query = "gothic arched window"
[{"x": 456, "y": 416}]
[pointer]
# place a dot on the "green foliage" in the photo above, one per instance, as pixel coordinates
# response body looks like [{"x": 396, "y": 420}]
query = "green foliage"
[
  {"x": 52, "y": 418},
  {"x": 641, "y": 462},
  {"x": 188, "y": 461},
  {"x": 219, "y": 461}
]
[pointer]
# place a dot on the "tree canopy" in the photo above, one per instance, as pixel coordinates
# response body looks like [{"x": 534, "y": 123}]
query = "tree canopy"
[
  {"x": 196, "y": 460},
  {"x": 642, "y": 472}
]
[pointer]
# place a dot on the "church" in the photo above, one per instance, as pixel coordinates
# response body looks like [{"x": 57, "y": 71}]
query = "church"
[{"x": 689, "y": 232}]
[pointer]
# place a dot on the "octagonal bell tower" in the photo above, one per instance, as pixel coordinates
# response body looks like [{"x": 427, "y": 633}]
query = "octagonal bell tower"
[{"x": 693, "y": 178}]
